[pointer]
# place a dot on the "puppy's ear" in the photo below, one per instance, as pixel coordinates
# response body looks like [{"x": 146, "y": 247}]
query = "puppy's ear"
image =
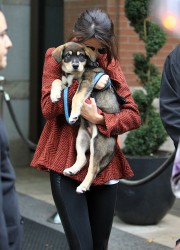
[
  {"x": 90, "y": 53},
  {"x": 57, "y": 53}
]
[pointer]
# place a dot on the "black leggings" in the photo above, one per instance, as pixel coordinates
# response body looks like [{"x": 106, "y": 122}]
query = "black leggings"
[{"x": 86, "y": 218}]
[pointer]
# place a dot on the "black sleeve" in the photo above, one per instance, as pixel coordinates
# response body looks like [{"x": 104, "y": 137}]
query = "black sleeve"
[
  {"x": 5, "y": 163},
  {"x": 170, "y": 95}
]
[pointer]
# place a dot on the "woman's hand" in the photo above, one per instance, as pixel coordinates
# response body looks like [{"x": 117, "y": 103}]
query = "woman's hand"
[
  {"x": 90, "y": 112},
  {"x": 102, "y": 82}
]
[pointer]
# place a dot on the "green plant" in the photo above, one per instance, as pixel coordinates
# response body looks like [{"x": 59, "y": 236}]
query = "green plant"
[{"x": 151, "y": 135}]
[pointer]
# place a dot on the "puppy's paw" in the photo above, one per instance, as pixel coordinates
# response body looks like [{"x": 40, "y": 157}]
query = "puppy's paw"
[
  {"x": 81, "y": 189},
  {"x": 55, "y": 94},
  {"x": 68, "y": 172},
  {"x": 73, "y": 118}
]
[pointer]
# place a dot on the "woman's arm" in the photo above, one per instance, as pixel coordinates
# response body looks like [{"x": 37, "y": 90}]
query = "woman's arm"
[{"x": 128, "y": 118}]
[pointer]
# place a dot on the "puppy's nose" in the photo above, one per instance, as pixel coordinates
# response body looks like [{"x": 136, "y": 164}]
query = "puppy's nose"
[{"x": 75, "y": 65}]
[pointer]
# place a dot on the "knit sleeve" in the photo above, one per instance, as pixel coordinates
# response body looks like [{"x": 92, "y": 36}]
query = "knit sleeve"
[{"x": 128, "y": 118}]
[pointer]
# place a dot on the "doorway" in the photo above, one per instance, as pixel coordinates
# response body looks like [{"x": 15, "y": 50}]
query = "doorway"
[{"x": 47, "y": 30}]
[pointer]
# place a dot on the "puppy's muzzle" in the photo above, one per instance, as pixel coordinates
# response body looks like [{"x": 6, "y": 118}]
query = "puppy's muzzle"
[{"x": 75, "y": 65}]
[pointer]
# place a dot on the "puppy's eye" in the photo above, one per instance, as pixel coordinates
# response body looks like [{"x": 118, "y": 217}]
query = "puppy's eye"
[
  {"x": 68, "y": 55},
  {"x": 82, "y": 56}
]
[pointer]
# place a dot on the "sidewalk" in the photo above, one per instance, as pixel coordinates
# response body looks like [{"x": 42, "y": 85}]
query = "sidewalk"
[{"x": 37, "y": 205}]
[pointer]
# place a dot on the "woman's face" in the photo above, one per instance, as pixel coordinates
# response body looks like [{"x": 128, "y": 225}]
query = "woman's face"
[
  {"x": 5, "y": 42},
  {"x": 96, "y": 45}
]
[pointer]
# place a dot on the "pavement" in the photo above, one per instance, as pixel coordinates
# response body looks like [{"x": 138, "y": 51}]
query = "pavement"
[{"x": 36, "y": 203}]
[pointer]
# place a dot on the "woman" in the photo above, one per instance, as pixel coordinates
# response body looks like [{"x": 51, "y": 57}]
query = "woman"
[{"x": 87, "y": 218}]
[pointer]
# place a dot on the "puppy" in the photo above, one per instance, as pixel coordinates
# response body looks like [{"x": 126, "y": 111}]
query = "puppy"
[{"x": 75, "y": 59}]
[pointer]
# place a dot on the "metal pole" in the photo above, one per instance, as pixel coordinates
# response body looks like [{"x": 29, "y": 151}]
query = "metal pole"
[{"x": 2, "y": 79}]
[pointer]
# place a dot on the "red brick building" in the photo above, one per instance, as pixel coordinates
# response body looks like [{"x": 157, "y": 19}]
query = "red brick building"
[{"x": 128, "y": 39}]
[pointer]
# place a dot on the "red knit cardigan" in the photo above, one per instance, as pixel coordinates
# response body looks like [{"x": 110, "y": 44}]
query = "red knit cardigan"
[{"x": 56, "y": 147}]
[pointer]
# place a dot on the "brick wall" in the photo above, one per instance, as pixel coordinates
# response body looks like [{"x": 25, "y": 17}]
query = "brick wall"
[
  {"x": 129, "y": 44},
  {"x": 128, "y": 40}
]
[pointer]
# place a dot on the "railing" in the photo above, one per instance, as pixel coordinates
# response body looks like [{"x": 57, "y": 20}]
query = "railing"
[{"x": 4, "y": 96}]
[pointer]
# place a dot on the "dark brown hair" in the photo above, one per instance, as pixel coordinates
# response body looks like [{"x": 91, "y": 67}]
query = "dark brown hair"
[{"x": 95, "y": 23}]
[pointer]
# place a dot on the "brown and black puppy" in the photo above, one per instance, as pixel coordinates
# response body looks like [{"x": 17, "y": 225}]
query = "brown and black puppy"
[{"x": 74, "y": 58}]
